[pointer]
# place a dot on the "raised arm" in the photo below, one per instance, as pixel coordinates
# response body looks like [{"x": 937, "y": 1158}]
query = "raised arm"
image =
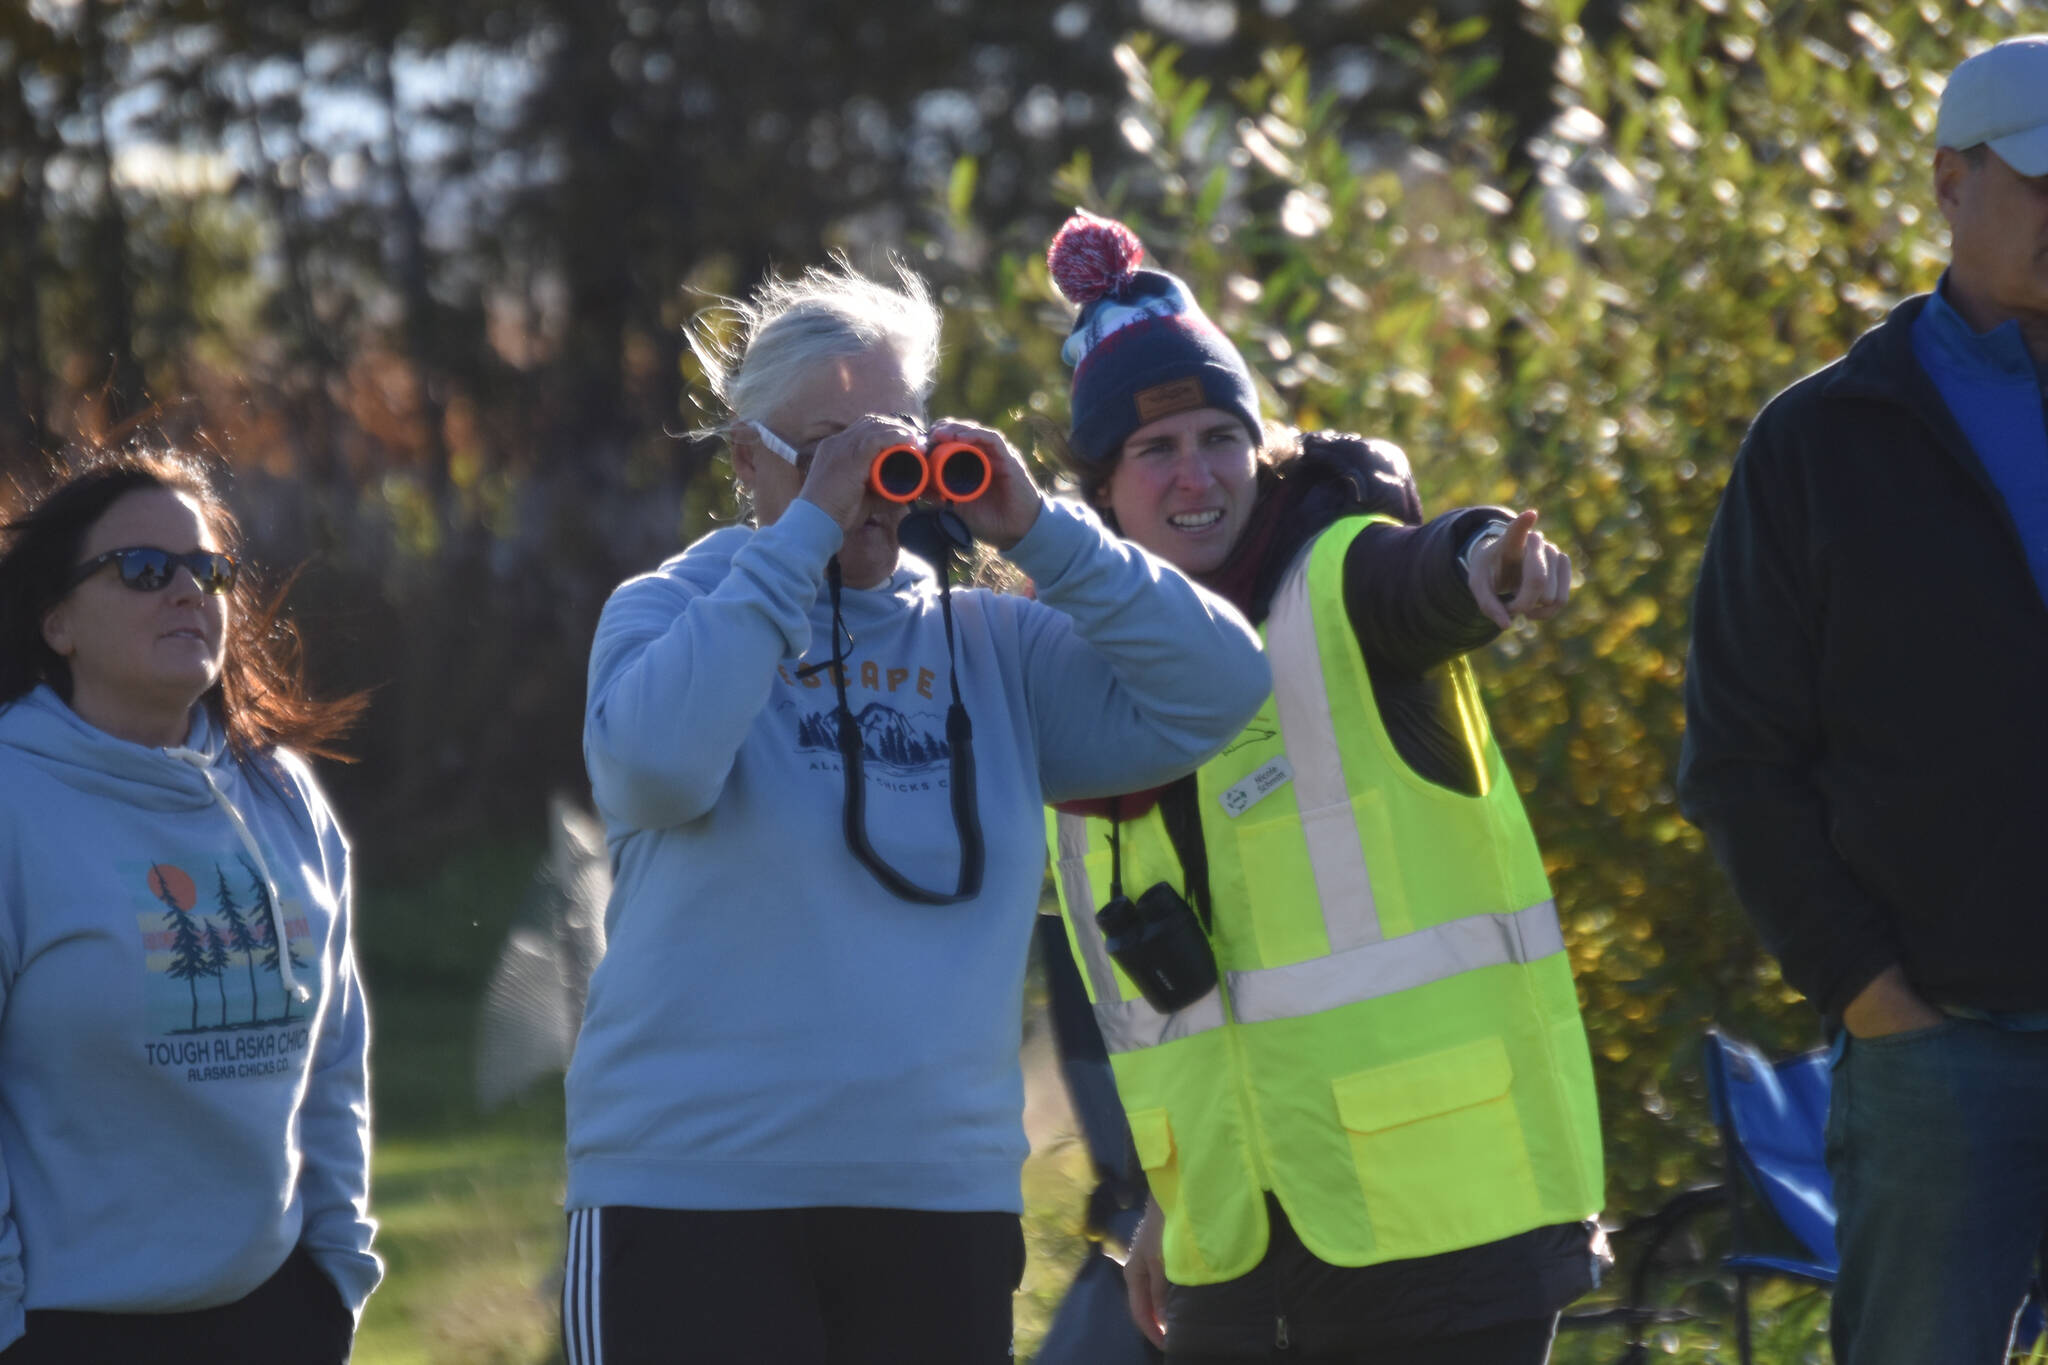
[
  {"x": 1134, "y": 675},
  {"x": 1754, "y": 736},
  {"x": 1406, "y": 596},
  {"x": 1420, "y": 596},
  {"x": 678, "y": 673}
]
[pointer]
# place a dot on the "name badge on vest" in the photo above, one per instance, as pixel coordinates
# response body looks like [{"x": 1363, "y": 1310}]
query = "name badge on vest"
[{"x": 1262, "y": 783}]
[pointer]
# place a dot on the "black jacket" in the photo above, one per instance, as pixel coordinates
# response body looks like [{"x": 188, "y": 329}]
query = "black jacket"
[{"x": 1867, "y": 702}]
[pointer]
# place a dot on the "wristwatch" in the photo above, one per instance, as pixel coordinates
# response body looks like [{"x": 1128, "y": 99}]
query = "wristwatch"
[{"x": 1492, "y": 531}]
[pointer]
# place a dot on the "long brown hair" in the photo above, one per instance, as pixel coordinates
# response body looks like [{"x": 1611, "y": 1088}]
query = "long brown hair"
[{"x": 261, "y": 701}]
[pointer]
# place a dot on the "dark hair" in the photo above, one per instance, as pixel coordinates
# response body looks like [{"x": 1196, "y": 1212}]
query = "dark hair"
[
  {"x": 1976, "y": 153},
  {"x": 261, "y": 700},
  {"x": 1277, "y": 444}
]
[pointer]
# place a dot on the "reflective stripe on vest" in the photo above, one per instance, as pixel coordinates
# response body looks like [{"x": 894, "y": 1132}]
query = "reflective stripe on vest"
[
  {"x": 1396, "y": 964},
  {"x": 1382, "y": 968},
  {"x": 1335, "y": 856}
]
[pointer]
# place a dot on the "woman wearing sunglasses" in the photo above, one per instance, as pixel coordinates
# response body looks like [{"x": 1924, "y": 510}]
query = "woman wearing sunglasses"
[
  {"x": 184, "y": 1130},
  {"x": 795, "y": 1107}
]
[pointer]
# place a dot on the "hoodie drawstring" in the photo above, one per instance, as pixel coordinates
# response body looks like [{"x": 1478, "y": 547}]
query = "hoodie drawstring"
[{"x": 204, "y": 764}]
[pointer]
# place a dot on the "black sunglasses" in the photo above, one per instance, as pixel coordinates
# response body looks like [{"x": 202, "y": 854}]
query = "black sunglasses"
[{"x": 148, "y": 569}]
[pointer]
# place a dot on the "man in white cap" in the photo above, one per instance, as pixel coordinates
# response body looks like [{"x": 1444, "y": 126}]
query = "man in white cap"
[
  {"x": 1991, "y": 175},
  {"x": 1867, "y": 742}
]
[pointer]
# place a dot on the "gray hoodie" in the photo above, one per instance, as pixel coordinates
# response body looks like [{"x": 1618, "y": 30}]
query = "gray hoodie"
[
  {"x": 180, "y": 1102},
  {"x": 770, "y": 1028}
]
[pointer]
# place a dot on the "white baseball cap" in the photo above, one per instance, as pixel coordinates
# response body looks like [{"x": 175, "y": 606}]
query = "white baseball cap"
[{"x": 2000, "y": 98}]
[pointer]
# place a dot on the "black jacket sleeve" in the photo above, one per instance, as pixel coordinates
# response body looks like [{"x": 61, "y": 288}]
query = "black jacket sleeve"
[
  {"x": 1406, "y": 595},
  {"x": 1412, "y": 613},
  {"x": 1754, "y": 731}
]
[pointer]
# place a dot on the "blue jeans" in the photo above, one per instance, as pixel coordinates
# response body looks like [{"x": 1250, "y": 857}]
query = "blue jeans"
[{"x": 1938, "y": 1146}]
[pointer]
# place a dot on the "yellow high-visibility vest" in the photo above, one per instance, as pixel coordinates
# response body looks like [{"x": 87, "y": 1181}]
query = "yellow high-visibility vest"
[{"x": 1395, "y": 1049}]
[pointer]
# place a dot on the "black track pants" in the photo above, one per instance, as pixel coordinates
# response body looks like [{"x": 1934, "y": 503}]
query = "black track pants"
[
  {"x": 295, "y": 1316},
  {"x": 829, "y": 1286}
]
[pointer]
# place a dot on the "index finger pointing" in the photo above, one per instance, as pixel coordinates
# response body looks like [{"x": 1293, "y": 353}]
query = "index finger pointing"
[{"x": 1515, "y": 542}]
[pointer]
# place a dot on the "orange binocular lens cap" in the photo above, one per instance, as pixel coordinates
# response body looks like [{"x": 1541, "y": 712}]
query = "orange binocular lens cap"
[
  {"x": 899, "y": 473},
  {"x": 961, "y": 472}
]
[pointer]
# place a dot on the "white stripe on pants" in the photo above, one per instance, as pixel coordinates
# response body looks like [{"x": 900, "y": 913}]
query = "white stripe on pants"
[{"x": 582, "y": 1333}]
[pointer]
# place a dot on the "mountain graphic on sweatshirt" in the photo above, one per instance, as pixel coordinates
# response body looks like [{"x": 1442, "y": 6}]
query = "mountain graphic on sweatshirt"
[{"x": 889, "y": 738}]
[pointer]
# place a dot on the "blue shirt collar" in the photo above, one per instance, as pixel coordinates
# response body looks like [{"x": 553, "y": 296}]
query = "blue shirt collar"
[{"x": 2000, "y": 353}]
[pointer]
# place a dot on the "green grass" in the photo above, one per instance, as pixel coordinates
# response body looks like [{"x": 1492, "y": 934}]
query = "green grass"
[
  {"x": 471, "y": 1230},
  {"x": 469, "y": 1204}
]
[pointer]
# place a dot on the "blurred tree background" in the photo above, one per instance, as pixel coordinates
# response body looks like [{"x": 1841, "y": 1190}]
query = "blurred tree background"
[{"x": 419, "y": 270}]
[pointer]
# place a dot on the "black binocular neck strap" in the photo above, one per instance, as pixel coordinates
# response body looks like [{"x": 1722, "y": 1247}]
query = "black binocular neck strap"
[
  {"x": 960, "y": 743},
  {"x": 853, "y": 762},
  {"x": 1116, "y": 848},
  {"x": 1181, "y": 818}
]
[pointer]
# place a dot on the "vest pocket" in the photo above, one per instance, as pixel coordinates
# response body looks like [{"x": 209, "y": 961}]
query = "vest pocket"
[
  {"x": 1152, "y": 1135},
  {"x": 1439, "y": 1149}
]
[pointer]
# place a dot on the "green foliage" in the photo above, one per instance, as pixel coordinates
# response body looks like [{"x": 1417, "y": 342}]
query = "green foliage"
[{"x": 1584, "y": 325}]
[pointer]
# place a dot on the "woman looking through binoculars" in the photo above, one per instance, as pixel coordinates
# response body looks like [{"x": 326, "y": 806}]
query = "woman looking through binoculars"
[{"x": 795, "y": 1106}]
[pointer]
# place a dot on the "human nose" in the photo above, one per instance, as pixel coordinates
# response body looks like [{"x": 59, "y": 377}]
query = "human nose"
[
  {"x": 184, "y": 585},
  {"x": 1192, "y": 472}
]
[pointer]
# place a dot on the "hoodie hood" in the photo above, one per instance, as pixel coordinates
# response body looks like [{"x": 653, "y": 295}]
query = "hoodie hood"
[
  {"x": 46, "y": 730},
  {"x": 911, "y": 577},
  {"x": 200, "y": 773}
]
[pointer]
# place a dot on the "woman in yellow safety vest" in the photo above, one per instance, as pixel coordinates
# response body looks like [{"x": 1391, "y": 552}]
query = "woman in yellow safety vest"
[{"x": 1327, "y": 966}]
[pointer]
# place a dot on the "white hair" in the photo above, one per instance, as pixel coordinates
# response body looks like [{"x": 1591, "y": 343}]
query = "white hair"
[{"x": 755, "y": 353}]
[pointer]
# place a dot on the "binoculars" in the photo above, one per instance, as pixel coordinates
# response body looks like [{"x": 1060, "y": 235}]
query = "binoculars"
[
  {"x": 953, "y": 470},
  {"x": 1161, "y": 947}
]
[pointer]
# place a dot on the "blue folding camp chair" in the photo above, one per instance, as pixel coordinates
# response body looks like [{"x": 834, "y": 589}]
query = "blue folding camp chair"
[
  {"x": 1776, "y": 1195},
  {"x": 1779, "y": 1200},
  {"x": 1773, "y": 1118}
]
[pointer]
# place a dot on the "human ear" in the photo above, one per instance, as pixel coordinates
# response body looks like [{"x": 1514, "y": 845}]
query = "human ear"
[
  {"x": 1951, "y": 167},
  {"x": 57, "y": 630},
  {"x": 744, "y": 455},
  {"x": 1098, "y": 497}
]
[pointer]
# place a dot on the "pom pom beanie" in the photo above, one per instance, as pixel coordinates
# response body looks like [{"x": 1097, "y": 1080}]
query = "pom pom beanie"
[{"x": 1141, "y": 348}]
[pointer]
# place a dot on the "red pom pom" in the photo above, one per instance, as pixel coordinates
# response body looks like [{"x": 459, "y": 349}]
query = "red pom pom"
[{"x": 1092, "y": 256}]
